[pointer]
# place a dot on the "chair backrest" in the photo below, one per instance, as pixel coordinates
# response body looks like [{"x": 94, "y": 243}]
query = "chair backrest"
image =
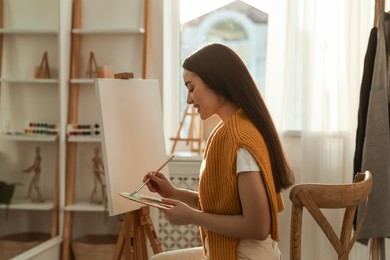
[{"x": 315, "y": 196}]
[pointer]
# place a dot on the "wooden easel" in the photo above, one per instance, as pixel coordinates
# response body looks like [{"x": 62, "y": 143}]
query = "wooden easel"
[
  {"x": 190, "y": 138},
  {"x": 135, "y": 225},
  {"x": 95, "y": 71},
  {"x": 92, "y": 68},
  {"x": 43, "y": 71}
]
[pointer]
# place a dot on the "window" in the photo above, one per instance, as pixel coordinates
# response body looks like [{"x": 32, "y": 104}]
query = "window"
[{"x": 238, "y": 24}]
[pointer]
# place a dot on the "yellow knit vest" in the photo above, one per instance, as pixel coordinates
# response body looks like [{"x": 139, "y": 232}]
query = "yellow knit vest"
[{"x": 218, "y": 187}]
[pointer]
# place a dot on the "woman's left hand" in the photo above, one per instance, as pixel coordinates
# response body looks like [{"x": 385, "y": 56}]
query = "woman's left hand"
[{"x": 180, "y": 213}]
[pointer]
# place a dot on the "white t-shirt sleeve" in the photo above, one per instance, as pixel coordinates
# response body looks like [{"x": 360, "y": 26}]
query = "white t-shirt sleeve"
[{"x": 246, "y": 162}]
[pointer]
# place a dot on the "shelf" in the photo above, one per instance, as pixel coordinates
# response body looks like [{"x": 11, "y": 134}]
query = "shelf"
[
  {"x": 101, "y": 31},
  {"x": 25, "y": 204},
  {"x": 82, "y": 81},
  {"x": 31, "y": 138},
  {"x": 29, "y": 81},
  {"x": 120, "y": 43},
  {"x": 85, "y": 206},
  {"x": 28, "y": 30},
  {"x": 7, "y": 31},
  {"x": 84, "y": 139}
]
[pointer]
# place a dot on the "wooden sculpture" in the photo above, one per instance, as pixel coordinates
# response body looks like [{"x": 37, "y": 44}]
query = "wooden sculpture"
[
  {"x": 98, "y": 170},
  {"x": 36, "y": 168}
]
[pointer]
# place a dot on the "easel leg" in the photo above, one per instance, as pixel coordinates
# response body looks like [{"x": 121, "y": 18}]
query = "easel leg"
[
  {"x": 120, "y": 242},
  {"x": 146, "y": 223},
  {"x": 129, "y": 232},
  {"x": 140, "y": 245}
]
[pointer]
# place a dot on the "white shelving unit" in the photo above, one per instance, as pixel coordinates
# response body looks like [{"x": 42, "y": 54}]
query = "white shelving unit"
[
  {"x": 115, "y": 32},
  {"x": 27, "y": 30},
  {"x": 118, "y": 34}
]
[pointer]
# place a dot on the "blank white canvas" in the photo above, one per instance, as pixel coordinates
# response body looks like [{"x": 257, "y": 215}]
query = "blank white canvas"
[{"x": 132, "y": 137}]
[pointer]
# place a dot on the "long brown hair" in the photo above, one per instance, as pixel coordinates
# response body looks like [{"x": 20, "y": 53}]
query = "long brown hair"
[{"x": 222, "y": 70}]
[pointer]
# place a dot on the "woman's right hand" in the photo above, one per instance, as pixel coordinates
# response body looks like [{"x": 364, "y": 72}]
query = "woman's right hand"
[{"x": 160, "y": 184}]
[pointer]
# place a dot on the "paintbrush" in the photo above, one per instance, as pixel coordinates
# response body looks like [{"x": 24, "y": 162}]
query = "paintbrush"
[{"x": 159, "y": 169}]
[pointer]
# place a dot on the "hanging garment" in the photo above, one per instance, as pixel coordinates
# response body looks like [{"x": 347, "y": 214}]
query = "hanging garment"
[
  {"x": 387, "y": 36},
  {"x": 376, "y": 149},
  {"x": 363, "y": 100}
]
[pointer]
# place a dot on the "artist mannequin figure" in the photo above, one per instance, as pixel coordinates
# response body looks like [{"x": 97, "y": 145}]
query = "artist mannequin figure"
[
  {"x": 243, "y": 170},
  {"x": 36, "y": 168},
  {"x": 98, "y": 170}
]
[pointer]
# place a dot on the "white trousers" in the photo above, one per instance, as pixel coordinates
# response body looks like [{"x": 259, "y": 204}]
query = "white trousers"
[
  {"x": 195, "y": 253},
  {"x": 248, "y": 250}
]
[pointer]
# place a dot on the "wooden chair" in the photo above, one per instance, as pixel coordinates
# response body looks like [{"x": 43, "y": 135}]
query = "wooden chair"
[{"x": 315, "y": 197}]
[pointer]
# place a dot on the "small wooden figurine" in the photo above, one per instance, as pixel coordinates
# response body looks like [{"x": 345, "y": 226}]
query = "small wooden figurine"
[
  {"x": 98, "y": 170},
  {"x": 36, "y": 168}
]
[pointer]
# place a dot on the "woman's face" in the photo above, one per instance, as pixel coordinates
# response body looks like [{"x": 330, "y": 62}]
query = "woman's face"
[{"x": 203, "y": 98}]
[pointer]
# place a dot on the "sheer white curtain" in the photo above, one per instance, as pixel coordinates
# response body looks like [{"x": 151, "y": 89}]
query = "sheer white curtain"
[{"x": 315, "y": 58}]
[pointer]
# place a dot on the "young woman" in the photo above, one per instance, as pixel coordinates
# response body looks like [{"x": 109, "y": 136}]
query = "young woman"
[{"x": 244, "y": 169}]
